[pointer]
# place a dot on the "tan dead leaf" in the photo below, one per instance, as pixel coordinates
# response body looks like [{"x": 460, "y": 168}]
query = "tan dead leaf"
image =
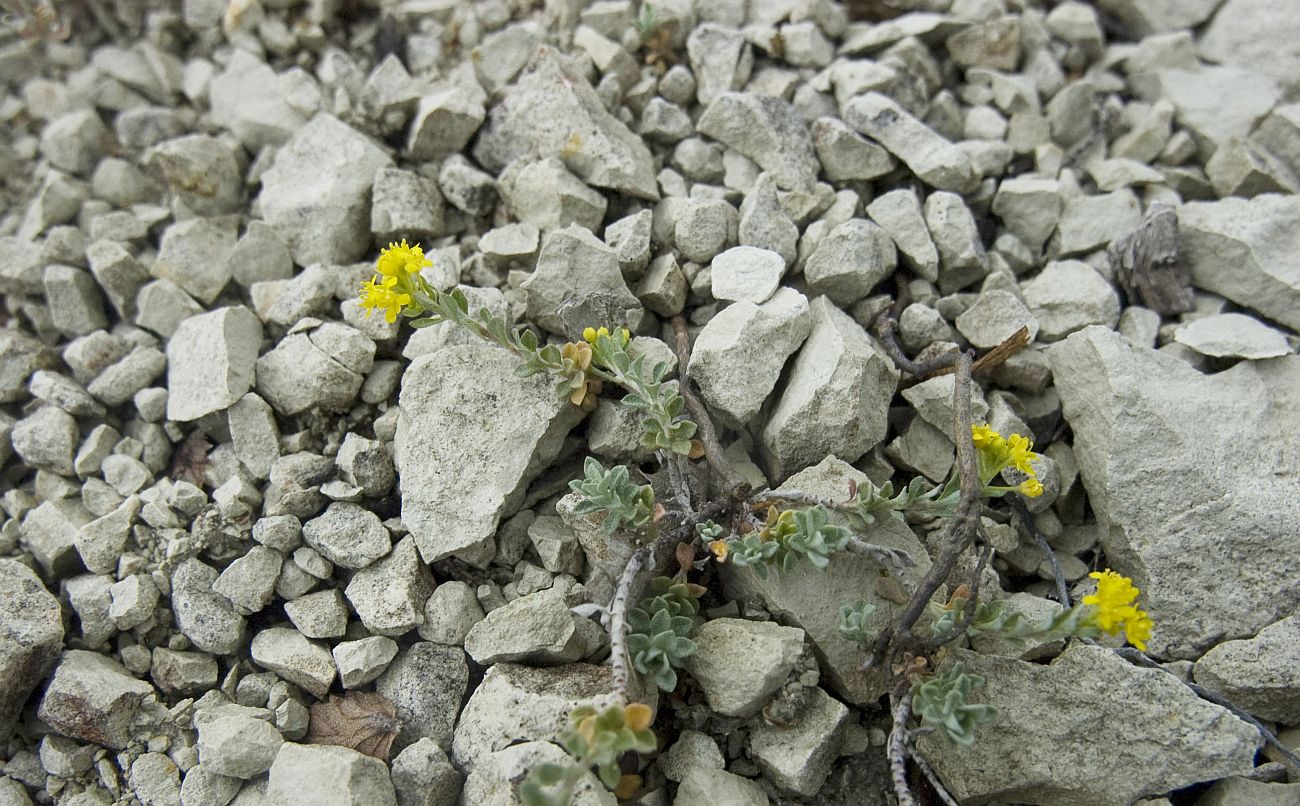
[
  {"x": 887, "y": 588},
  {"x": 360, "y": 720},
  {"x": 685, "y": 556}
]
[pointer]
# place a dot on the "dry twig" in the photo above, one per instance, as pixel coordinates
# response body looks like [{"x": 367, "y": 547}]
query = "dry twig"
[
  {"x": 897, "y": 749},
  {"x": 733, "y": 486},
  {"x": 1028, "y": 523},
  {"x": 961, "y": 528},
  {"x": 618, "y": 620}
]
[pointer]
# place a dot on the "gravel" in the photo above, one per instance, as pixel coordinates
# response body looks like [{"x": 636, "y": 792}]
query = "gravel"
[{"x": 248, "y": 494}]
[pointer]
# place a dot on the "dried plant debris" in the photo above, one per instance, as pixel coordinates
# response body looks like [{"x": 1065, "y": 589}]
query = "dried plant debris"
[{"x": 361, "y": 720}]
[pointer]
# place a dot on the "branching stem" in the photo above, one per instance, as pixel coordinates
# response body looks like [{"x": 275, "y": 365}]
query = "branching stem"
[{"x": 961, "y": 527}]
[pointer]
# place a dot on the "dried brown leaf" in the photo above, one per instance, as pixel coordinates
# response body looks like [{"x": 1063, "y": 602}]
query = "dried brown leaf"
[{"x": 360, "y": 720}]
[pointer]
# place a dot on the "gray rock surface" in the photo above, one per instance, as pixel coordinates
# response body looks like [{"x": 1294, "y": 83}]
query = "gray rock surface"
[
  {"x": 348, "y": 535},
  {"x": 1232, "y": 335},
  {"x": 548, "y": 196},
  {"x": 449, "y": 613},
  {"x": 1069, "y": 295},
  {"x": 493, "y": 780},
  {"x": 1260, "y": 674},
  {"x": 1258, "y": 238},
  {"x": 194, "y": 255},
  {"x": 994, "y": 317},
  {"x": 360, "y": 662},
  {"x": 574, "y": 264},
  {"x": 834, "y": 399},
  {"x": 1017, "y": 755},
  {"x": 205, "y": 617},
  {"x": 237, "y": 742},
  {"x": 423, "y": 776},
  {"x": 746, "y": 274},
  {"x": 1257, "y": 36},
  {"x": 518, "y": 703},
  {"x": 1091, "y": 222},
  {"x": 704, "y": 787},
  {"x": 768, "y": 131},
  {"x": 551, "y": 113},
  {"x": 210, "y": 362},
  {"x": 797, "y": 758},
  {"x": 1178, "y": 502},
  {"x": 295, "y": 658},
  {"x": 899, "y": 213},
  {"x": 538, "y": 629},
  {"x": 460, "y": 474},
  {"x": 810, "y": 599},
  {"x": 389, "y": 596},
  {"x": 317, "y": 193},
  {"x": 93, "y": 698},
  {"x": 845, "y": 154},
  {"x": 426, "y": 684},
  {"x": 850, "y": 260},
  {"x": 313, "y": 774},
  {"x": 32, "y": 638},
  {"x": 248, "y": 100},
  {"x": 738, "y": 356},
  {"x": 932, "y": 158},
  {"x": 740, "y": 664}
]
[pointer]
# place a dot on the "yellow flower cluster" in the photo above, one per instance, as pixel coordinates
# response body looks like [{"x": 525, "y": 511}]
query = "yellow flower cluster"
[
  {"x": 590, "y": 335},
  {"x": 997, "y": 454},
  {"x": 1115, "y": 608},
  {"x": 389, "y": 290}
]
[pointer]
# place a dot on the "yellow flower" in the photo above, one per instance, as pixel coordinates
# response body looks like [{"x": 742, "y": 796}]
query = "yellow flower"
[
  {"x": 1031, "y": 487},
  {"x": 637, "y": 716},
  {"x": 383, "y": 295},
  {"x": 620, "y": 334},
  {"x": 720, "y": 549},
  {"x": 1115, "y": 608},
  {"x": 997, "y": 454},
  {"x": 1020, "y": 455},
  {"x": 985, "y": 437},
  {"x": 1138, "y": 629},
  {"x": 400, "y": 260}
]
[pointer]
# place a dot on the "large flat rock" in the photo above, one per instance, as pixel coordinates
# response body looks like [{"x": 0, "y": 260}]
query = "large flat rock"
[
  {"x": 471, "y": 436},
  {"x": 1087, "y": 730},
  {"x": 1193, "y": 479},
  {"x": 1247, "y": 251}
]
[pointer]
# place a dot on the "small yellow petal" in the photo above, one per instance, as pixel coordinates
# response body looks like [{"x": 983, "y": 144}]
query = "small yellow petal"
[
  {"x": 637, "y": 716},
  {"x": 720, "y": 549}
]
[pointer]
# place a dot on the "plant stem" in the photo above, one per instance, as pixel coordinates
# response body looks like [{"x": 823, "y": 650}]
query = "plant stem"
[
  {"x": 897, "y": 749},
  {"x": 618, "y": 620}
]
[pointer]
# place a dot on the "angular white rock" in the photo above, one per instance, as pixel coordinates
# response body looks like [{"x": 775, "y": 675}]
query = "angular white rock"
[
  {"x": 472, "y": 434},
  {"x": 211, "y": 362},
  {"x": 738, "y": 356},
  {"x": 1232, "y": 335},
  {"x": 1160, "y": 451},
  {"x": 835, "y": 399}
]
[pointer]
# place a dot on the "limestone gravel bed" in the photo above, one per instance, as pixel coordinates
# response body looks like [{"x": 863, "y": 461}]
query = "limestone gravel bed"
[{"x": 228, "y": 495}]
